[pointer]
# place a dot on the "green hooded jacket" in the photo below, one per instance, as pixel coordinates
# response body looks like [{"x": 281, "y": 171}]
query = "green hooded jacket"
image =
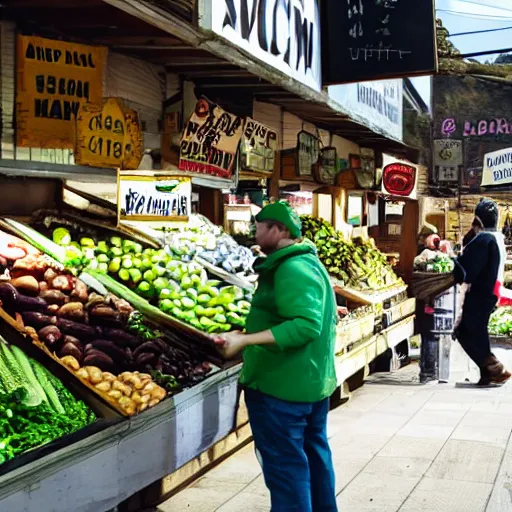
[{"x": 295, "y": 300}]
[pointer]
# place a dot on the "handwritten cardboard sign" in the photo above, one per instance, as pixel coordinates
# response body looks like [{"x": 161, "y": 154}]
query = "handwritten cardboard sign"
[
  {"x": 143, "y": 196},
  {"x": 54, "y": 79},
  {"x": 210, "y": 141},
  {"x": 258, "y": 147},
  {"x": 108, "y": 135}
]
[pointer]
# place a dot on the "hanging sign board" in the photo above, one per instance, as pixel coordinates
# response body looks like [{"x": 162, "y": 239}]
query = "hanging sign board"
[
  {"x": 258, "y": 147},
  {"x": 108, "y": 135},
  {"x": 308, "y": 148},
  {"x": 378, "y": 105},
  {"x": 210, "y": 141},
  {"x": 54, "y": 79},
  {"x": 497, "y": 168},
  {"x": 375, "y": 39},
  {"x": 284, "y": 35},
  {"x": 447, "y": 152},
  {"x": 144, "y": 196},
  {"x": 398, "y": 177},
  {"x": 172, "y": 129},
  {"x": 326, "y": 172}
]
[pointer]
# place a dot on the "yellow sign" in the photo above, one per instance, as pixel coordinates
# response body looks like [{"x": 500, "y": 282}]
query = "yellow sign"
[
  {"x": 54, "y": 78},
  {"x": 108, "y": 136}
]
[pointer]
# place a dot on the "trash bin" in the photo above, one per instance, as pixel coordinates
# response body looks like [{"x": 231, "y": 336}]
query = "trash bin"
[{"x": 435, "y": 324}]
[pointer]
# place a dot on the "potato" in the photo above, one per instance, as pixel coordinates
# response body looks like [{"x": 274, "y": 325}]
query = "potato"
[
  {"x": 71, "y": 362},
  {"x": 135, "y": 382},
  {"x": 142, "y": 407},
  {"x": 109, "y": 377},
  {"x": 159, "y": 393},
  {"x": 149, "y": 388},
  {"x": 103, "y": 386},
  {"x": 95, "y": 374},
  {"x": 82, "y": 373},
  {"x": 153, "y": 402},
  {"x": 136, "y": 397},
  {"x": 127, "y": 405},
  {"x": 145, "y": 399},
  {"x": 115, "y": 394},
  {"x": 125, "y": 376}
]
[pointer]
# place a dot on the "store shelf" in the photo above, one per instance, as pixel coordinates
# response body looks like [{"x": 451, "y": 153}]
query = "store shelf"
[
  {"x": 97, "y": 473},
  {"x": 363, "y": 354},
  {"x": 366, "y": 298}
]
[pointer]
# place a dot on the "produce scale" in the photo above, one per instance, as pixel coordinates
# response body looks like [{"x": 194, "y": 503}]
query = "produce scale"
[{"x": 107, "y": 351}]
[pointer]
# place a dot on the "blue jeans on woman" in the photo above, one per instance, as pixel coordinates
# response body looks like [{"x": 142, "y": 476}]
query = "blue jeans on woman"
[{"x": 291, "y": 443}]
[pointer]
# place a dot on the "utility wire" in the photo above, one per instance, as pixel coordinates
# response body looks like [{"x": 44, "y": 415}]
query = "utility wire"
[
  {"x": 479, "y": 32},
  {"x": 484, "y": 5},
  {"x": 478, "y": 54},
  {"x": 488, "y": 17}
]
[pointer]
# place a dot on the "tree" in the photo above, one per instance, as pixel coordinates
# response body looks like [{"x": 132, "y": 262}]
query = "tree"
[{"x": 445, "y": 47}]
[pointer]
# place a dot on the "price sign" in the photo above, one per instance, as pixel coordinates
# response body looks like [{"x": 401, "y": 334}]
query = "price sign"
[{"x": 144, "y": 196}]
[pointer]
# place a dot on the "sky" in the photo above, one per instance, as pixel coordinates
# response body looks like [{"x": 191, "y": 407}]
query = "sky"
[{"x": 469, "y": 16}]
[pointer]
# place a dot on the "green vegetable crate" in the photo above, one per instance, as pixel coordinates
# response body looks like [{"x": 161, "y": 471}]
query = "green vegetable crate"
[{"x": 36, "y": 367}]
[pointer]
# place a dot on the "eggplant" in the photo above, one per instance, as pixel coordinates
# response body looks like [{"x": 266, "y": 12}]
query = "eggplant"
[
  {"x": 80, "y": 331},
  {"x": 50, "y": 335},
  {"x": 121, "y": 338},
  {"x": 149, "y": 346},
  {"x": 161, "y": 345},
  {"x": 36, "y": 319},
  {"x": 8, "y": 294},
  {"x": 100, "y": 360},
  {"x": 146, "y": 359},
  {"x": 31, "y": 304},
  {"x": 111, "y": 349},
  {"x": 70, "y": 349},
  {"x": 73, "y": 340}
]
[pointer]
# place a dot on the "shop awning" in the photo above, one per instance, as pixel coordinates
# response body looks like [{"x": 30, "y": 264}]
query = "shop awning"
[{"x": 163, "y": 32}]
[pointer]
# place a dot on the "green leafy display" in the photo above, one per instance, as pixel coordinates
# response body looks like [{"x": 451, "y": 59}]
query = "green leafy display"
[{"x": 23, "y": 425}]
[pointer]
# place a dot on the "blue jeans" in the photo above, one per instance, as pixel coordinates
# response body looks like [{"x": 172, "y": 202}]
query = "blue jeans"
[{"x": 291, "y": 441}]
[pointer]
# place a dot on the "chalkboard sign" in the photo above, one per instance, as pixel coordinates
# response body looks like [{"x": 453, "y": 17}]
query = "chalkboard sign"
[{"x": 375, "y": 39}]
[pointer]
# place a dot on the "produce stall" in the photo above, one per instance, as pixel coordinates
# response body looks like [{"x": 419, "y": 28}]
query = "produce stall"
[
  {"x": 123, "y": 357},
  {"x": 380, "y": 316}
]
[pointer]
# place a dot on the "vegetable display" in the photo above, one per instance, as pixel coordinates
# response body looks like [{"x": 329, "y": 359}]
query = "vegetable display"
[
  {"x": 356, "y": 263},
  {"x": 500, "y": 323},
  {"x": 170, "y": 279},
  {"x": 214, "y": 246},
  {"x": 93, "y": 334},
  {"x": 35, "y": 407},
  {"x": 433, "y": 261}
]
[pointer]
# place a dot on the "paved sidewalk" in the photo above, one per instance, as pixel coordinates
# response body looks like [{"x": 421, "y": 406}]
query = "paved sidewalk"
[{"x": 397, "y": 446}]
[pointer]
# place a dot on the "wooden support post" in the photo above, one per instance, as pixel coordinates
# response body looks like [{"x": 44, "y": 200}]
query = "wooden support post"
[
  {"x": 274, "y": 181},
  {"x": 409, "y": 245}
]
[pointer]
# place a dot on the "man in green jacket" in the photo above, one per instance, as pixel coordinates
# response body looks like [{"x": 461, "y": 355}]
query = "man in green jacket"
[{"x": 288, "y": 373}]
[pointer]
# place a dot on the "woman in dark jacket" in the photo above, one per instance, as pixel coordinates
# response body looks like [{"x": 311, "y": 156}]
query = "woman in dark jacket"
[{"x": 478, "y": 266}]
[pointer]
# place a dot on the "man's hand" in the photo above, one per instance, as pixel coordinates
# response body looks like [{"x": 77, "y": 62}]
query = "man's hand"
[{"x": 231, "y": 343}]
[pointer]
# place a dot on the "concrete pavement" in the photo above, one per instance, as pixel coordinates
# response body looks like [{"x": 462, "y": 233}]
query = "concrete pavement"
[{"x": 397, "y": 446}]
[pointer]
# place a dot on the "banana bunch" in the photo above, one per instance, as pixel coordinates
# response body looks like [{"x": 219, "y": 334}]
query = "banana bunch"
[{"x": 356, "y": 263}]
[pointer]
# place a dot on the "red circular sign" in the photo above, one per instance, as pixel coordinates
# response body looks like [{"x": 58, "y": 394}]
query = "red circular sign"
[{"x": 399, "y": 179}]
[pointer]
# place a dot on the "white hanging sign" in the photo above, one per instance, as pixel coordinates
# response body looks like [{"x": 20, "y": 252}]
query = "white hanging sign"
[
  {"x": 284, "y": 35},
  {"x": 497, "y": 168}
]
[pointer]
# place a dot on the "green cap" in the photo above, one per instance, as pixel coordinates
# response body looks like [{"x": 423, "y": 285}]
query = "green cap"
[{"x": 280, "y": 211}]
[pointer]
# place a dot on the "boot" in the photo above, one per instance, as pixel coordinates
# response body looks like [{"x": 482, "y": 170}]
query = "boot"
[{"x": 493, "y": 372}]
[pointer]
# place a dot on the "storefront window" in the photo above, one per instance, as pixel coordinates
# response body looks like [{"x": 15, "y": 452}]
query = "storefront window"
[
  {"x": 355, "y": 209},
  {"x": 300, "y": 201}
]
